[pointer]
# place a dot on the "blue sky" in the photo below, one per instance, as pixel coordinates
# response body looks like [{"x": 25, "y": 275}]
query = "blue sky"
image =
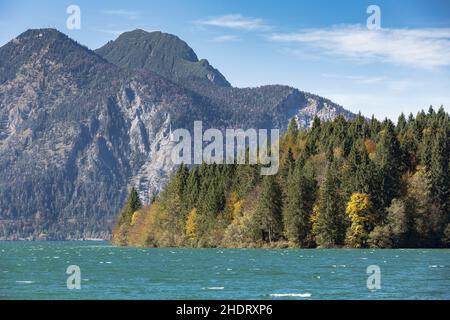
[{"x": 323, "y": 47}]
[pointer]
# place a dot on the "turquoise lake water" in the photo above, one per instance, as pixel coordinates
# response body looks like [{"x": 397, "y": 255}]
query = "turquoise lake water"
[{"x": 37, "y": 270}]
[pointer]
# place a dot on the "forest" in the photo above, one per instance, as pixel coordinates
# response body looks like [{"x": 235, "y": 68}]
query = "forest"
[{"x": 344, "y": 183}]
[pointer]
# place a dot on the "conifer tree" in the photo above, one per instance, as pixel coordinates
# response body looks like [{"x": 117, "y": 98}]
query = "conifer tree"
[
  {"x": 331, "y": 222},
  {"x": 132, "y": 205},
  {"x": 374, "y": 127},
  {"x": 401, "y": 124},
  {"x": 292, "y": 130},
  {"x": 191, "y": 190},
  {"x": 299, "y": 205},
  {"x": 288, "y": 164},
  {"x": 388, "y": 160},
  {"x": 359, "y": 172},
  {"x": 330, "y": 226},
  {"x": 269, "y": 209},
  {"x": 439, "y": 169}
]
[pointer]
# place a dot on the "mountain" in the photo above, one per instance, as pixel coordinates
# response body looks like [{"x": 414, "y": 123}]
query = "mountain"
[
  {"x": 78, "y": 127},
  {"x": 172, "y": 58},
  {"x": 163, "y": 53}
]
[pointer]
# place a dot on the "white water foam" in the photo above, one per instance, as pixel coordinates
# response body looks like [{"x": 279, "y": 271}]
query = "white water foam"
[{"x": 300, "y": 295}]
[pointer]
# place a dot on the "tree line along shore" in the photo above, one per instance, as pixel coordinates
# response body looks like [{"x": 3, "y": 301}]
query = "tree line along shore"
[{"x": 344, "y": 183}]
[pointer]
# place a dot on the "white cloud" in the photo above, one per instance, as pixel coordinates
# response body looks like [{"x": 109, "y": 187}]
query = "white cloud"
[
  {"x": 236, "y": 21},
  {"x": 423, "y": 48},
  {"x": 132, "y": 15},
  {"x": 226, "y": 38}
]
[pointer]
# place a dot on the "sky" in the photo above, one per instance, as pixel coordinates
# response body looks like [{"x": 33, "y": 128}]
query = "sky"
[{"x": 318, "y": 46}]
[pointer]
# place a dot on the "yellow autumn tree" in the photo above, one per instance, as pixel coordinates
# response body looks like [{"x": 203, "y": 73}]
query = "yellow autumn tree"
[
  {"x": 191, "y": 224},
  {"x": 134, "y": 218},
  {"x": 359, "y": 211},
  {"x": 313, "y": 220}
]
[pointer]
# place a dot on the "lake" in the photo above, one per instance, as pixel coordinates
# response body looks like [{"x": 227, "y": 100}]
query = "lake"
[{"x": 37, "y": 270}]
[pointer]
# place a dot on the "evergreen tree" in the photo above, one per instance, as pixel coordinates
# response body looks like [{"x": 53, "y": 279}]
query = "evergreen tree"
[
  {"x": 374, "y": 127},
  {"x": 439, "y": 169},
  {"x": 288, "y": 164},
  {"x": 269, "y": 209},
  {"x": 191, "y": 190},
  {"x": 426, "y": 146},
  {"x": 179, "y": 183},
  {"x": 330, "y": 153},
  {"x": 359, "y": 172},
  {"x": 388, "y": 159},
  {"x": 245, "y": 179},
  {"x": 401, "y": 124},
  {"x": 132, "y": 205},
  {"x": 299, "y": 205},
  {"x": 359, "y": 129},
  {"x": 330, "y": 228},
  {"x": 292, "y": 130}
]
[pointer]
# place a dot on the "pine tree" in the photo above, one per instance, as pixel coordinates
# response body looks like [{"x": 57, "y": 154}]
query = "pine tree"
[
  {"x": 245, "y": 179},
  {"x": 269, "y": 209},
  {"x": 359, "y": 172},
  {"x": 131, "y": 206},
  {"x": 330, "y": 225},
  {"x": 359, "y": 129},
  {"x": 401, "y": 124},
  {"x": 374, "y": 127},
  {"x": 330, "y": 153},
  {"x": 191, "y": 190},
  {"x": 388, "y": 159},
  {"x": 439, "y": 169},
  {"x": 180, "y": 180},
  {"x": 288, "y": 164},
  {"x": 299, "y": 205},
  {"x": 426, "y": 146},
  {"x": 292, "y": 131},
  {"x": 313, "y": 138}
]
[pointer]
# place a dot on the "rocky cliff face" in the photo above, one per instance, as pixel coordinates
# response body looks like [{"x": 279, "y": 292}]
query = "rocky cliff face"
[{"x": 78, "y": 127}]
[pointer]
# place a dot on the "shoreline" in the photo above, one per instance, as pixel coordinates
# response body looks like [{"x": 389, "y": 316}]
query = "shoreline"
[{"x": 264, "y": 247}]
